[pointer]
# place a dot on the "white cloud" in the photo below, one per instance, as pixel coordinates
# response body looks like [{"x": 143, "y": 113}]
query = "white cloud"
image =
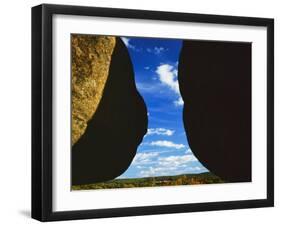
[
  {"x": 145, "y": 87},
  {"x": 179, "y": 102},
  {"x": 126, "y": 41},
  {"x": 157, "y": 50},
  {"x": 128, "y": 44},
  {"x": 152, "y": 157},
  {"x": 154, "y": 171},
  {"x": 160, "y": 131},
  {"x": 176, "y": 160},
  {"x": 146, "y": 68},
  {"x": 153, "y": 163},
  {"x": 166, "y": 143},
  {"x": 144, "y": 158},
  {"x": 172, "y": 165},
  {"x": 188, "y": 151},
  {"x": 195, "y": 168},
  {"x": 168, "y": 76}
]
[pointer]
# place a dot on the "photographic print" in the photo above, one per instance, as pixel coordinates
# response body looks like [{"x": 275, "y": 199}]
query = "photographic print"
[
  {"x": 150, "y": 112},
  {"x": 139, "y": 112}
]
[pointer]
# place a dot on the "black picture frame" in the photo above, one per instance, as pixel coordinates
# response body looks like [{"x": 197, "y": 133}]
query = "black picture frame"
[{"x": 42, "y": 111}]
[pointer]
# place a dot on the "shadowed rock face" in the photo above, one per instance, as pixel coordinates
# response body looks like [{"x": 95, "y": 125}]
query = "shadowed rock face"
[
  {"x": 110, "y": 141},
  {"x": 215, "y": 84}
]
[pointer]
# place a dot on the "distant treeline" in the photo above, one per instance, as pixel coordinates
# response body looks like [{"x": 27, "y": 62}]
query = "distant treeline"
[{"x": 185, "y": 179}]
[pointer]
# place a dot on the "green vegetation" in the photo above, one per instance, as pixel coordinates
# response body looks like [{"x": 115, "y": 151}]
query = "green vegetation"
[{"x": 185, "y": 179}]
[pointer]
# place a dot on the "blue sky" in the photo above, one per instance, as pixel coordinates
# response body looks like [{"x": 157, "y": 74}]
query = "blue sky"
[{"x": 164, "y": 150}]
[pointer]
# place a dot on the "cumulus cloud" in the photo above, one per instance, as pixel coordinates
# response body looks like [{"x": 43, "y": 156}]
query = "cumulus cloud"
[
  {"x": 126, "y": 41},
  {"x": 179, "y": 102},
  {"x": 154, "y": 157},
  {"x": 195, "y": 168},
  {"x": 129, "y": 45},
  {"x": 144, "y": 158},
  {"x": 188, "y": 151},
  {"x": 145, "y": 87},
  {"x": 157, "y": 50},
  {"x": 166, "y": 143},
  {"x": 168, "y": 76},
  {"x": 171, "y": 165},
  {"x": 154, "y": 171},
  {"x": 176, "y": 160},
  {"x": 160, "y": 131},
  {"x": 151, "y": 163}
]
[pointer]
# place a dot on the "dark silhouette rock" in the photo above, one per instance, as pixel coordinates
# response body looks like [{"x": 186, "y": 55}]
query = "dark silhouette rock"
[
  {"x": 110, "y": 142},
  {"x": 215, "y": 84}
]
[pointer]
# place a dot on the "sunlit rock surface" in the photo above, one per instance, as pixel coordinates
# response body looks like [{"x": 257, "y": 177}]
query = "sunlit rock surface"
[{"x": 91, "y": 57}]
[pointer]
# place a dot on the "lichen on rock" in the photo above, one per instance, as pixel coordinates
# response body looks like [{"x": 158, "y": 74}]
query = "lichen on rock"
[{"x": 91, "y": 57}]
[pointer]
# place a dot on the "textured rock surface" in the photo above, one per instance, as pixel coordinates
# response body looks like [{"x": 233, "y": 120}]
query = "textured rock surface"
[
  {"x": 110, "y": 141},
  {"x": 91, "y": 56},
  {"x": 215, "y": 84}
]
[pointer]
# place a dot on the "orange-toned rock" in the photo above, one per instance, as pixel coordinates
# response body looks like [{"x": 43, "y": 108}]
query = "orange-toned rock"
[{"x": 91, "y": 57}]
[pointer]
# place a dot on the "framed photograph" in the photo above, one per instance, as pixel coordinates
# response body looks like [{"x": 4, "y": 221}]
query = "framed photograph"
[{"x": 146, "y": 112}]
